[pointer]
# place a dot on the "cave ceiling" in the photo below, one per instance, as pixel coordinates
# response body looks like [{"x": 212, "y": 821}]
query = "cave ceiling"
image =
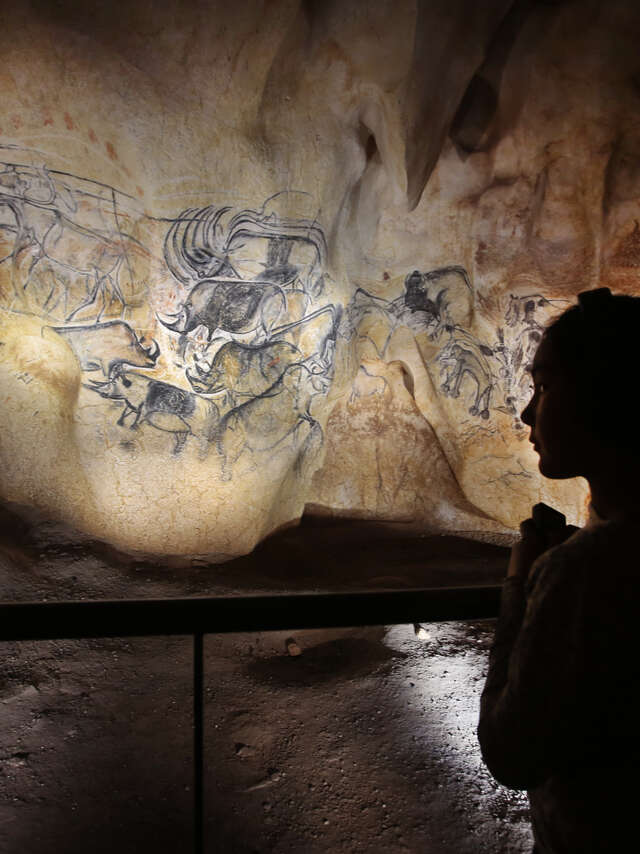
[{"x": 267, "y": 256}]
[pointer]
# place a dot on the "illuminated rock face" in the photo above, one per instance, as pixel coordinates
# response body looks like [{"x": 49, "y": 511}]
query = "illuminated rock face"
[{"x": 260, "y": 256}]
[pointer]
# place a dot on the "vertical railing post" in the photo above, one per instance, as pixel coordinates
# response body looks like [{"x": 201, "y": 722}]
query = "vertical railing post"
[{"x": 198, "y": 746}]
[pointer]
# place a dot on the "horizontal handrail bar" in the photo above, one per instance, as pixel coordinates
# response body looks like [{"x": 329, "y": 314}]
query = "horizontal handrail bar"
[{"x": 21, "y": 621}]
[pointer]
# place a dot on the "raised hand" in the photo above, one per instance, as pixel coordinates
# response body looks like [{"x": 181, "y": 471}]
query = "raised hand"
[{"x": 546, "y": 528}]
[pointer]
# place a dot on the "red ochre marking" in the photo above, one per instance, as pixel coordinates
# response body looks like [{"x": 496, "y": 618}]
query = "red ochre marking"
[
  {"x": 140, "y": 191},
  {"x": 47, "y": 120},
  {"x": 17, "y": 122},
  {"x": 273, "y": 362},
  {"x": 68, "y": 121},
  {"x": 385, "y": 276},
  {"x": 111, "y": 150},
  {"x": 92, "y": 135}
]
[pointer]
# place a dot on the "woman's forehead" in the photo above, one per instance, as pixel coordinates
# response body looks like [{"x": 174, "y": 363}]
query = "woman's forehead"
[{"x": 545, "y": 357}]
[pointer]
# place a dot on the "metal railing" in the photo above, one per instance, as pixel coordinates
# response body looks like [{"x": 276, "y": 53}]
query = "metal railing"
[{"x": 197, "y": 616}]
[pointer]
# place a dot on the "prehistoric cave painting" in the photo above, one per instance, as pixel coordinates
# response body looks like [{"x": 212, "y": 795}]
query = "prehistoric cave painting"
[
  {"x": 416, "y": 308},
  {"x": 435, "y": 298},
  {"x": 112, "y": 349},
  {"x": 208, "y": 243},
  {"x": 517, "y": 342},
  {"x": 464, "y": 357},
  {"x": 266, "y": 422},
  {"x": 159, "y": 404},
  {"x": 430, "y": 304},
  {"x": 246, "y": 273},
  {"x": 368, "y": 383},
  {"x": 108, "y": 346},
  {"x": 251, "y": 345},
  {"x": 489, "y": 374},
  {"x": 64, "y": 244},
  {"x": 248, "y": 331},
  {"x": 255, "y": 331}
]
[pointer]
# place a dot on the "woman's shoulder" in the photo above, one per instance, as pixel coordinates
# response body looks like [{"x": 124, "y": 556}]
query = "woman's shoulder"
[{"x": 609, "y": 546}]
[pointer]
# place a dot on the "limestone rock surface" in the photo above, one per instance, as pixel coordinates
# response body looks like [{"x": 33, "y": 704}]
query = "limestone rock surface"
[{"x": 263, "y": 256}]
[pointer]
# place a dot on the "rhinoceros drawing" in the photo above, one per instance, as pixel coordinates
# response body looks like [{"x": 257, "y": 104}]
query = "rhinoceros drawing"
[{"x": 105, "y": 346}]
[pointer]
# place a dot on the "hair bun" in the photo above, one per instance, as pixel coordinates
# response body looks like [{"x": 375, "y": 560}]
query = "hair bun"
[{"x": 594, "y": 300}]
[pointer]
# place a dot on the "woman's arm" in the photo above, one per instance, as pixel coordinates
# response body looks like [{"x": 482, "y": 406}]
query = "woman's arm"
[{"x": 528, "y": 722}]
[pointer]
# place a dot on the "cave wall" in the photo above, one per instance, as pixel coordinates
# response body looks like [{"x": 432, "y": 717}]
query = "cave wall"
[{"x": 263, "y": 256}]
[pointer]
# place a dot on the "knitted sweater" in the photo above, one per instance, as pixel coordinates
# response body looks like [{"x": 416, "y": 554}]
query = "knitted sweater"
[{"x": 559, "y": 715}]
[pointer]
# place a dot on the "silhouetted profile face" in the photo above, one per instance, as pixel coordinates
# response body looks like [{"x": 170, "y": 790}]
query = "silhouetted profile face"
[{"x": 558, "y": 432}]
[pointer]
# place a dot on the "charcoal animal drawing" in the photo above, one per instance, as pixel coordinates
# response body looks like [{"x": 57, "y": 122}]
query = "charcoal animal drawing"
[
  {"x": 254, "y": 331},
  {"x": 161, "y": 405},
  {"x": 248, "y": 344},
  {"x": 236, "y": 356},
  {"x": 106, "y": 346},
  {"x": 65, "y": 245},
  {"x": 486, "y": 374}
]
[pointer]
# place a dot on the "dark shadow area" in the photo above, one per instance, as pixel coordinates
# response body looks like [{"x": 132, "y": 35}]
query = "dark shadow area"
[
  {"x": 332, "y": 661},
  {"x": 95, "y": 752},
  {"x": 43, "y": 560}
]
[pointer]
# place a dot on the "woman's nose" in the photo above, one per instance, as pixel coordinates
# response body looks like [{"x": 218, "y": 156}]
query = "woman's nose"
[{"x": 527, "y": 415}]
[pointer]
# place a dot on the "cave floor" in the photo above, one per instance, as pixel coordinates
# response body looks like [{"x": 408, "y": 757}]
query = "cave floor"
[{"x": 365, "y": 742}]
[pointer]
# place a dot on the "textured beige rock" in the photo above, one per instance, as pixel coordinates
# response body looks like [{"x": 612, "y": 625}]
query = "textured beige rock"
[{"x": 260, "y": 256}]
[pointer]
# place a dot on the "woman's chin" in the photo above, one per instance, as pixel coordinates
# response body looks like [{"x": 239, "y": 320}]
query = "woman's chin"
[{"x": 555, "y": 470}]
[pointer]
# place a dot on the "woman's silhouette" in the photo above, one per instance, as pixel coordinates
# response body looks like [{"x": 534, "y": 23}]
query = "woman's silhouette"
[{"x": 559, "y": 714}]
